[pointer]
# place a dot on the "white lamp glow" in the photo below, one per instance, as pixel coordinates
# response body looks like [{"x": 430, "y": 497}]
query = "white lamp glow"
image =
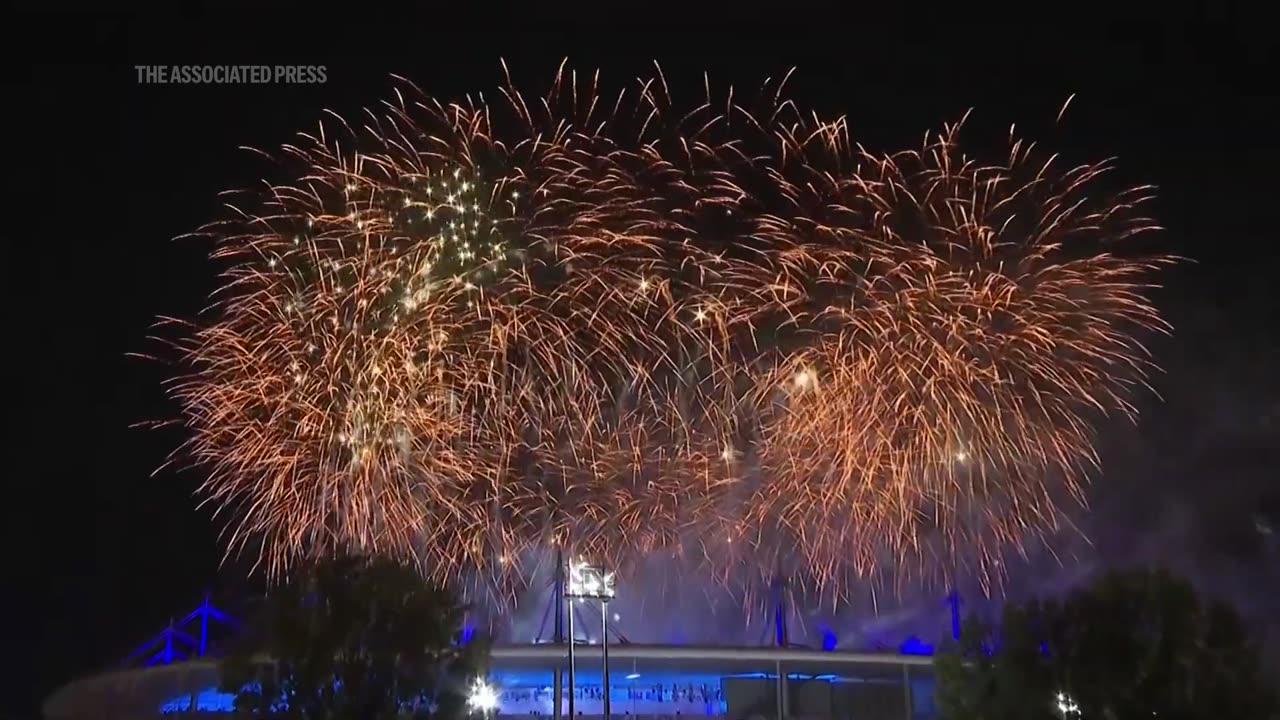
[
  {"x": 483, "y": 697},
  {"x": 590, "y": 581}
]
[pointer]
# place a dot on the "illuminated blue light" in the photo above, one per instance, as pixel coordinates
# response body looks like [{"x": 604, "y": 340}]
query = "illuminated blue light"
[
  {"x": 208, "y": 700},
  {"x": 915, "y": 646},
  {"x": 174, "y": 643},
  {"x": 828, "y": 640},
  {"x": 954, "y": 601}
]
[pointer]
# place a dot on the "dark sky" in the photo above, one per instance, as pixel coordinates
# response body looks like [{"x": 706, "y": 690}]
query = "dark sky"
[{"x": 115, "y": 170}]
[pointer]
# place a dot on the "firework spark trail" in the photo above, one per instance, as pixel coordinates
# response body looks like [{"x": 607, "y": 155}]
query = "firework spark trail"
[
  {"x": 470, "y": 331},
  {"x": 421, "y": 343},
  {"x": 970, "y": 325}
]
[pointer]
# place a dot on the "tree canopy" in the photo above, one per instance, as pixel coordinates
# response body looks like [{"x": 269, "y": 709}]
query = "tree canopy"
[
  {"x": 1137, "y": 644},
  {"x": 355, "y": 638}
]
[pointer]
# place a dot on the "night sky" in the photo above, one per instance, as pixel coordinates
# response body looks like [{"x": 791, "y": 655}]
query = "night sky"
[{"x": 115, "y": 170}]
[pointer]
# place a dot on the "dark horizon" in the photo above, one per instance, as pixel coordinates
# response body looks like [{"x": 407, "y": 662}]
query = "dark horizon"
[{"x": 118, "y": 169}]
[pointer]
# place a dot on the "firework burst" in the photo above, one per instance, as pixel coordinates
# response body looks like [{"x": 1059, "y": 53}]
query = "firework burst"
[
  {"x": 456, "y": 335},
  {"x": 466, "y": 332},
  {"x": 384, "y": 349},
  {"x": 965, "y": 326}
]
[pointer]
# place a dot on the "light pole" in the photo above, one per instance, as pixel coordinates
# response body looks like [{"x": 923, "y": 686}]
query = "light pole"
[
  {"x": 571, "y": 662},
  {"x": 590, "y": 582},
  {"x": 604, "y": 651}
]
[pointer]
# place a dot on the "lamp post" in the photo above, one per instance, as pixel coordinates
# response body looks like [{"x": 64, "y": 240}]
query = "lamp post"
[
  {"x": 570, "y": 600},
  {"x": 590, "y": 582},
  {"x": 604, "y": 652}
]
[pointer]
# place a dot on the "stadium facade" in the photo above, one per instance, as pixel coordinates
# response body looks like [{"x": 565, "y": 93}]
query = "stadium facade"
[{"x": 176, "y": 675}]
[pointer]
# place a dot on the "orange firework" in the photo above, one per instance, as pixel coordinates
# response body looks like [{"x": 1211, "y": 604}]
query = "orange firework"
[
  {"x": 450, "y": 336},
  {"x": 466, "y": 332},
  {"x": 967, "y": 326},
  {"x": 387, "y": 338}
]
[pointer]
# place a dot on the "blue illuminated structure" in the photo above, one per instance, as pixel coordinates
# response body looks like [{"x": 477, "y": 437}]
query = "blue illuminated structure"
[
  {"x": 189, "y": 637},
  {"x": 176, "y": 672},
  {"x": 662, "y": 682},
  {"x": 177, "y": 641},
  {"x": 781, "y": 636},
  {"x": 954, "y": 601}
]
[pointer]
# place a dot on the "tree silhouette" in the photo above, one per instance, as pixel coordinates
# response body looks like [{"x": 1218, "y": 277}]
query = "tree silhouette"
[
  {"x": 355, "y": 639},
  {"x": 1137, "y": 644}
]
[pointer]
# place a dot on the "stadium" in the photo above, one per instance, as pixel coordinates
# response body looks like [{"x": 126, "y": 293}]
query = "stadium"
[{"x": 176, "y": 673}]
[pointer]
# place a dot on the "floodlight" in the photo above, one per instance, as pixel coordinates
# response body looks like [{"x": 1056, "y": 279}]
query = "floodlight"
[
  {"x": 483, "y": 697},
  {"x": 590, "y": 582}
]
